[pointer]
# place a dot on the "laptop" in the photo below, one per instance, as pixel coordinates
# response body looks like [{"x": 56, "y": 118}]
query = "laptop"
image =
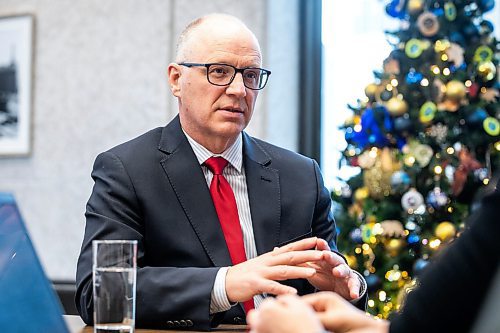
[{"x": 27, "y": 301}]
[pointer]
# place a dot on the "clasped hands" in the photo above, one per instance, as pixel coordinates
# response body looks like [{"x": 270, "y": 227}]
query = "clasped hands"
[
  {"x": 313, "y": 313},
  {"x": 310, "y": 259}
]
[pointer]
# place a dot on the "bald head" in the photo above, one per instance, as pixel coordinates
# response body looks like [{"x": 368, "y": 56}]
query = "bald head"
[{"x": 206, "y": 29}]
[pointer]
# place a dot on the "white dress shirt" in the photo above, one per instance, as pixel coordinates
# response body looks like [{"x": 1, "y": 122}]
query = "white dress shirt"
[{"x": 235, "y": 174}]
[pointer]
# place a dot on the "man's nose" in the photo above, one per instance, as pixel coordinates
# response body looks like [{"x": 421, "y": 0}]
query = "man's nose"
[{"x": 237, "y": 87}]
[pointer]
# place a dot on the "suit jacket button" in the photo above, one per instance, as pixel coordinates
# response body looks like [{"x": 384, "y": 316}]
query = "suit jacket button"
[
  {"x": 176, "y": 323},
  {"x": 170, "y": 323},
  {"x": 238, "y": 320},
  {"x": 183, "y": 323},
  {"x": 189, "y": 323}
]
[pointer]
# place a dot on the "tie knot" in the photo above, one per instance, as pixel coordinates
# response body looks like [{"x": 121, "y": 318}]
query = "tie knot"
[{"x": 216, "y": 164}]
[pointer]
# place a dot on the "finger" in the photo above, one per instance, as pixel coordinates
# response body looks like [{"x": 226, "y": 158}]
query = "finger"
[
  {"x": 354, "y": 286},
  {"x": 294, "y": 258},
  {"x": 341, "y": 271},
  {"x": 322, "y": 244},
  {"x": 324, "y": 317},
  {"x": 314, "y": 265},
  {"x": 317, "y": 300},
  {"x": 252, "y": 317},
  {"x": 333, "y": 258},
  {"x": 303, "y": 244},
  {"x": 284, "y": 272},
  {"x": 274, "y": 288},
  {"x": 288, "y": 299},
  {"x": 320, "y": 301}
]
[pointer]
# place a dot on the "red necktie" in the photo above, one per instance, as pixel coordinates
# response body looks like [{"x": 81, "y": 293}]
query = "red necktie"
[{"x": 227, "y": 211}]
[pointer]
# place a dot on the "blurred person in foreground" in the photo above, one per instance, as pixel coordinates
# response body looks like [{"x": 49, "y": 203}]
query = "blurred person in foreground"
[
  {"x": 220, "y": 217},
  {"x": 450, "y": 297}
]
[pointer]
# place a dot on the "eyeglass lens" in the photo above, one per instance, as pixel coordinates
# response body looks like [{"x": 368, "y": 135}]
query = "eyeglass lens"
[{"x": 253, "y": 78}]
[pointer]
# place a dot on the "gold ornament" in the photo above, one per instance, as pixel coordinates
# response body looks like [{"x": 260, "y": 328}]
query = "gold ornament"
[
  {"x": 441, "y": 45},
  {"x": 356, "y": 210},
  {"x": 351, "y": 260},
  {"x": 394, "y": 246},
  {"x": 423, "y": 154},
  {"x": 445, "y": 231},
  {"x": 361, "y": 194},
  {"x": 349, "y": 121},
  {"x": 389, "y": 161},
  {"x": 370, "y": 90},
  {"x": 455, "y": 90},
  {"x": 487, "y": 70},
  {"x": 378, "y": 178},
  {"x": 415, "y": 6},
  {"x": 396, "y": 106}
]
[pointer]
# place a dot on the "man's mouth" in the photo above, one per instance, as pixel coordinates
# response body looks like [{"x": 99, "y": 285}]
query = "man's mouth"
[{"x": 233, "y": 110}]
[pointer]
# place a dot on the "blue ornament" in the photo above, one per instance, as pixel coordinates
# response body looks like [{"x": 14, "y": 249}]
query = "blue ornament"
[
  {"x": 400, "y": 181},
  {"x": 419, "y": 266},
  {"x": 349, "y": 134},
  {"x": 414, "y": 77},
  {"x": 437, "y": 198},
  {"x": 413, "y": 238},
  {"x": 457, "y": 38},
  {"x": 486, "y": 5},
  {"x": 481, "y": 174},
  {"x": 477, "y": 117},
  {"x": 386, "y": 95},
  {"x": 356, "y": 236},
  {"x": 373, "y": 282},
  {"x": 487, "y": 27},
  {"x": 438, "y": 12},
  {"x": 403, "y": 124},
  {"x": 396, "y": 9},
  {"x": 375, "y": 123},
  {"x": 471, "y": 30}
]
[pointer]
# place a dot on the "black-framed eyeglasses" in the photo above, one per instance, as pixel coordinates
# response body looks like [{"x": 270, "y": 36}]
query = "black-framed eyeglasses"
[{"x": 254, "y": 78}]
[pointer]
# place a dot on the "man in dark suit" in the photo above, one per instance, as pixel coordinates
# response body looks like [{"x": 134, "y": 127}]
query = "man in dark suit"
[{"x": 159, "y": 189}]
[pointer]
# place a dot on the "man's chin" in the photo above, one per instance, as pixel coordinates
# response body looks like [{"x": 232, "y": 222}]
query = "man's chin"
[{"x": 230, "y": 129}]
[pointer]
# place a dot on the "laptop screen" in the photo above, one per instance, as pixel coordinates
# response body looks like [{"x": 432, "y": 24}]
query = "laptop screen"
[{"x": 27, "y": 301}]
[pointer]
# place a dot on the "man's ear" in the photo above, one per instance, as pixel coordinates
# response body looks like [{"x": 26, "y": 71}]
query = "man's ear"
[{"x": 174, "y": 75}]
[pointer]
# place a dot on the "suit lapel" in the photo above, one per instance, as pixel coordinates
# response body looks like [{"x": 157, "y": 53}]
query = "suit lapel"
[
  {"x": 188, "y": 182},
  {"x": 263, "y": 194}
]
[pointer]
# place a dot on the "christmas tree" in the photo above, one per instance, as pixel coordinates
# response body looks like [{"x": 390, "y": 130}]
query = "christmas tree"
[{"x": 426, "y": 141}]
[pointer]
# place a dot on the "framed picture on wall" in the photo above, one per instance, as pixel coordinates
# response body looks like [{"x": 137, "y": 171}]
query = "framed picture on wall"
[{"x": 16, "y": 49}]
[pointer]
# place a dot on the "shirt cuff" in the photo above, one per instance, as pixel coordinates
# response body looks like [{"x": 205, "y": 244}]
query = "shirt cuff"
[
  {"x": 362, "y": 286},
  {"x": 219, "y": 301},
  {"x": 362, "y": 282}
]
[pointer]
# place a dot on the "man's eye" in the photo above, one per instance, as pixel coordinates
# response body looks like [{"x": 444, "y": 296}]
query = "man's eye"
[
  {"x": 251, "y": 75},
  {"x": 218, "y": 70}
]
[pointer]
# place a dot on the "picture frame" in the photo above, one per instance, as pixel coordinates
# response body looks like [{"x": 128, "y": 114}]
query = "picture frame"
[{"x": 16, "y": 50}]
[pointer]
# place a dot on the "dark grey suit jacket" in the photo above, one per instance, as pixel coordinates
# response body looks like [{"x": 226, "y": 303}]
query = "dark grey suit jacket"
[{"x": 152, "y": 189}]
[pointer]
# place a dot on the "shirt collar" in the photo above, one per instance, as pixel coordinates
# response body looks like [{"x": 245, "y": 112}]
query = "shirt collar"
[{"x": 234, "y": 154}]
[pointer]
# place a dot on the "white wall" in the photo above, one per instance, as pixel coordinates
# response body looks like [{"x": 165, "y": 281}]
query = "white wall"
[{"x": 100, "y": 79}]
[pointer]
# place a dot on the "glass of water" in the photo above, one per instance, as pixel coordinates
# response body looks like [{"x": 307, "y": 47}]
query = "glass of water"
[{"x": 114, "y": 273}]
